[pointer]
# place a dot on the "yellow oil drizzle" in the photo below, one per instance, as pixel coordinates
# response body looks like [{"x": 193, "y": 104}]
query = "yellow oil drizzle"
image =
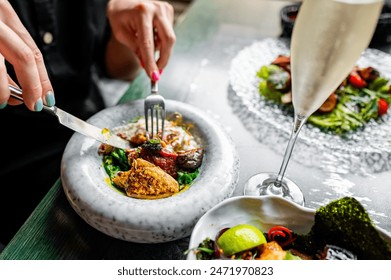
[
  {"x": 108, "y": 182},
  {"x": 105, "y": 130},
  {"x": 186, "y": 187}
]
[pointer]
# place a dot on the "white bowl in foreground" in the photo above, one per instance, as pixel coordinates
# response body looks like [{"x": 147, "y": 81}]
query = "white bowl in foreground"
[{"x": 263, "y": 212}]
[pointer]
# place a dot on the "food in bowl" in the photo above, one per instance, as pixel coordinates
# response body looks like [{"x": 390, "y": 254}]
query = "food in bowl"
[
  {"x": 341, "y": 229},
  {"x": 154, "y": 168},
  {"x": 363, "y": 96},
  {"x": 109, "y": 210}
]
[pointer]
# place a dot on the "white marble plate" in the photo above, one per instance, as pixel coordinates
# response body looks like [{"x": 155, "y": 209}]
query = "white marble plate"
[
  {"x": 263, "y": 212},
  {"x": 148, "y": 221}
]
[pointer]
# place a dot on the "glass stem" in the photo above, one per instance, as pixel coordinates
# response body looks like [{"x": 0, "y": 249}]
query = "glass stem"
[{"x": 297, "y": 125}]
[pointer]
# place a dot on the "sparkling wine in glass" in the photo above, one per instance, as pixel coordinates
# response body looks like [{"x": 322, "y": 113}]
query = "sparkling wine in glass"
[{"x": 327, "y": 40}]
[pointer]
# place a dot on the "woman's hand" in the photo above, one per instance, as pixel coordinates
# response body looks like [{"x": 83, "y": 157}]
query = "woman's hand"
[
  {"x": 144, "y": 27},
  {"x": 19, "y": 49}
]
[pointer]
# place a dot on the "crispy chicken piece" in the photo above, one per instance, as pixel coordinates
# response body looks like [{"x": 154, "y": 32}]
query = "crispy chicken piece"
[
  {"x": 272, "y": 251},
  {"x": 146, "y": 180},
  {"x": 139, "y": 138}
]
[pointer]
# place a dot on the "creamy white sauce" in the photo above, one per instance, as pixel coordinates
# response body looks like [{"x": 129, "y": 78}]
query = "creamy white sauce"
[{"x": 182, "y": 139}]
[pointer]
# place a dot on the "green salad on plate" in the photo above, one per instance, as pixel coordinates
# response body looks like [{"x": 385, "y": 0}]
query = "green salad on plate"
[{"x": 362, "y": 97}]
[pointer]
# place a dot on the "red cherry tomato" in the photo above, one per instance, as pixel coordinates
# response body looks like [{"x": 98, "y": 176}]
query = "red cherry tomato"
[
  {"x": 382, "y": 107},
  {"x": 356, "y": 80},
  {"x": 167, "y": 154}
]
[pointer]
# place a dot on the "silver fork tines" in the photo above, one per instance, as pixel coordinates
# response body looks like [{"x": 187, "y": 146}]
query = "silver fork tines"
[{"x": 155, "y": 113}]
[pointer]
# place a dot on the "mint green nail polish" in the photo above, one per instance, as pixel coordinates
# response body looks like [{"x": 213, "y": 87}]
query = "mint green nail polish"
[
  {"x": 3, "y": 105},
  {"x": 38, "y": 105},
  {"x": 49, "y": 98}
]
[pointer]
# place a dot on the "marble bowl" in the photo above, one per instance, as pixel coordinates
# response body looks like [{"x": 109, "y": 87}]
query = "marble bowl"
[
  {"x": 86, "y": 187},
  {"x": 263, "y": 212}
]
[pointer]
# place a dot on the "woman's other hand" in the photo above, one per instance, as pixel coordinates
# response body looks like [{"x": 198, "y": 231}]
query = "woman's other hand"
[
  {"x": 19, "y": 49},
  {"x": 145, "y": 27}
]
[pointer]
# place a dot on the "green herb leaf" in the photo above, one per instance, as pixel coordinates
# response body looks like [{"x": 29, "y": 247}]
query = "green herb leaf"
[{"x": 186, "y": 178}]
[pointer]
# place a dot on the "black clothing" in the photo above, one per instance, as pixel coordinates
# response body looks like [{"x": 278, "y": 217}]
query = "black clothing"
[{"x": 72, "y": 36}]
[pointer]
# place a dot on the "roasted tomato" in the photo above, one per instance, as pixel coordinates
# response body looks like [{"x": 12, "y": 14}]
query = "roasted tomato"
[
  {"x": 369, "y": 74},
  {"x": 382, "y": 107},
  {"x": 356, "y": 80},
  {"x": 284, "y": 62}
]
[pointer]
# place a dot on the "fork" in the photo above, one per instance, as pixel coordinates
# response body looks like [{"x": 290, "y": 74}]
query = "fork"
[{"x": 155, "y": 112}]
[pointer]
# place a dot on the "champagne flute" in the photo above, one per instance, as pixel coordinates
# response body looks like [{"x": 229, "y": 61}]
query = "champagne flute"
[{"x": 327, "y": 40}]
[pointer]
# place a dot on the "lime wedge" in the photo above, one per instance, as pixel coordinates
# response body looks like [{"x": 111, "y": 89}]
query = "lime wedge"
[{"x": 239, "y": 238}]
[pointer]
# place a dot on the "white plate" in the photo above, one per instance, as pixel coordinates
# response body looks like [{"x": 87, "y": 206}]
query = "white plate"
[
  {"x": 263, "y": 212},
  {"x": 85, "y": 181},
  {"x": 362, "y": 152}
]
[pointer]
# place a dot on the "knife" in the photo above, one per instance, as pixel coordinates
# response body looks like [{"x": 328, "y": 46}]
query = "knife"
[{"x": 78, "y": 125}]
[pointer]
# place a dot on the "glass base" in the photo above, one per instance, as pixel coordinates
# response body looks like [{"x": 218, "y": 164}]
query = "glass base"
[{"x": 263, "y": 184}]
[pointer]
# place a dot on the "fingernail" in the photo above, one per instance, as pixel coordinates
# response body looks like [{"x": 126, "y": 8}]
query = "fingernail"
[
  {"x": 3, "y": 105},
  {"x": 160, "y": 71},
  {"x": 49, "y": 98},
  {"x": 38, "y": 105},
  {"x": 155, "y": 76}
]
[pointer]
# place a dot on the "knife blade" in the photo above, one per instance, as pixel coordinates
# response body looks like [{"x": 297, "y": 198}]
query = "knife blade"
[{"x": 78, "y": 125}]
